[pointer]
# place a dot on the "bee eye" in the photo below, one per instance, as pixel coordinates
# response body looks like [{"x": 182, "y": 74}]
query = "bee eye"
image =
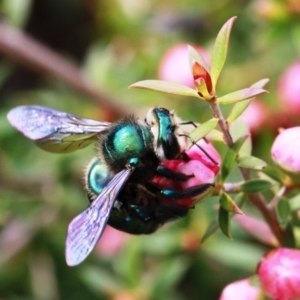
[{"x": 97, "y": 177}]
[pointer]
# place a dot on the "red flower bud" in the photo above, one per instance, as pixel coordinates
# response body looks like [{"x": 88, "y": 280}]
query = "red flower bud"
[
  {"x": 279, "y": 274},
  {"x": 289, "y": 88},
  {"x": 241, "y": 289},
  {"x": 285, "y": 149},
  {"x": 200, "y": 166}
]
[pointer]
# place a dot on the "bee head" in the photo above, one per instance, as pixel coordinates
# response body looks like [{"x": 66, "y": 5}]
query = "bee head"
[{"x": 165, "y": 127}]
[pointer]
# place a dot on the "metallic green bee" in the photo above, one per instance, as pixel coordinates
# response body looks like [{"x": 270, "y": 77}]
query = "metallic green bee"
[{"x": 120, "y": 180}]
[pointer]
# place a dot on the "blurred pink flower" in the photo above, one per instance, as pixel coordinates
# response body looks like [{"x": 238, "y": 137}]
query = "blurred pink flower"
[
  {"x": 241, "y": 290},
  {"x": 255, "y": 115},
  {"x": 285, "y": 149},
  {"x": 279, "y": 274},
  {"x": 199, "y": 165},
  {"x": 174, "y": 66},
  {"x": 111, "y": 242},
  {"x": 289, "y": 88}
]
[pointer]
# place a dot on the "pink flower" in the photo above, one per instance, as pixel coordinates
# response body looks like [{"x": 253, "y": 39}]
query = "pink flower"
[
  {"x": 174, "y": 66},
  {"x": 285, "y": 149},
  {"x": 241, "y": 289},
  {"x": 279, "y": 274},
  {"x": 203, "y": 169},
  {"x": 289, "y": 88},
  {"x": 111, "y": 242},
  {"x": 255, "y": 115}
]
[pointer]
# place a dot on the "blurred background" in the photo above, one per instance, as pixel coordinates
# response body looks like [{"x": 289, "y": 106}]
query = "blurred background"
[{"x": 80, "y": 56}]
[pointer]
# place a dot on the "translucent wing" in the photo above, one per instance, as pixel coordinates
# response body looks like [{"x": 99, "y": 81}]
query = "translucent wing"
[
  {"x": 54, "y": 130},
  {"x": 86, "y": 229}
]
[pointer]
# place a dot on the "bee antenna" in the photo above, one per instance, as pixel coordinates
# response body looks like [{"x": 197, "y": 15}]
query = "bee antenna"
[{"x": 204, "y": 151}]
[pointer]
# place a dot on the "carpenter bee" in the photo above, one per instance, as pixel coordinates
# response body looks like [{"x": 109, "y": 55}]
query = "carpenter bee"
[
  {"x": 141, "y": 208},
  {"x": 129, "y": 155}
]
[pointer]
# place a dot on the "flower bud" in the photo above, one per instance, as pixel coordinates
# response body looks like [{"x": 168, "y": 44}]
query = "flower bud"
[
  {"x": 285, "y": 150},
  {"x": 174, "y": 66},
  {"x": 241, "y": 289},
  {"x": 289, "y": 89},
  {"x": 279, "y": 274},
  {"x": 203, "y": 169}
]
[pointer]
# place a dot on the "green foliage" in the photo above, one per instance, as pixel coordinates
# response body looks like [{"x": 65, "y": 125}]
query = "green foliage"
[
  {"x": 166, "y": 87},
  {"x": 115, "y": 45}
]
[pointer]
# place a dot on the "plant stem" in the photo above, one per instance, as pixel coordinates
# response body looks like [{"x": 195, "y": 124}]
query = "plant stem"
[{"x": 256, "y": 199}]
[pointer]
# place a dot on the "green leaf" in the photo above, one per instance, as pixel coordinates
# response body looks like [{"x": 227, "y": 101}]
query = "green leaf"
[
  {"x": 230, "y": 157},
  {"x": 240, "y": 95},
  {"x": 215, "y": 135},
  {"x": 274, "y": 174},
  {"x": 194, "y": 55},
  {"x": 239, "y": 128},
  {"x": 202, "y": 130},
  {"x": 260, "y": 83},
  {"x": 295, "y": 202},
  {"x": 237, "y": 110},
  {"x": 283, "y": 210},
  {"x": 210, "y": 230},
  {"x": 256, "y": 185},
  {"x": 228, "y": 204},
  {"x": 251, "y": 162},
  {"x": 166, "y": 87},
  {"x": 289, "y": 239},
  {"x": 219, "y": 52},
  {"x": 240, "y": 107},
  {"x": 224, "y": 222}
]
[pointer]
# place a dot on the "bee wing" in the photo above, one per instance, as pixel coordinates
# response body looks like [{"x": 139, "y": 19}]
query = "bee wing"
[
  {"x": 54, "y": 130},
  {"x": 85, "y": 230}
]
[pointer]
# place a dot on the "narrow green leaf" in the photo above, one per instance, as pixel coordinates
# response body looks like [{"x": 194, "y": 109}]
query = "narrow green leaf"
[
  {"x": 251, "y": 162},
  {"x": 166, "y": 87},
  {"x": 215, "y": 135},
  {"x": 239, "y": 128},
  {"x": 289, "y": 239},
  {"x": 202, "y": 130},
  {"x": 283, "y": 210},
  {"x": 194, "y": 55},
  {"x": 237, "y": 110},
  {"x": 240, "y": 107},
  {"x": 260, "y": 83},
  {"x": 295, "y": 202},
  {"x": 255, "y": 186},
  {"x": 228, "y": 204},
  {"x": 240, "y": 95},
  {"x": 274, "y": 174},
  {"x": 210, "y": 230},
  {"x": 230, "y": 157},
  {"x": 224, "y": 222},
  {"x": 219, "y": 52}
]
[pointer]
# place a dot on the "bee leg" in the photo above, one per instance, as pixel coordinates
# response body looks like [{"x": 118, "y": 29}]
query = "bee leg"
[
  {"x": 168, "y": 173},
  {"x": 191, "y": 192},
  {"x": 141, "y": 212},
  {"x": 189, "y": 123}
]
